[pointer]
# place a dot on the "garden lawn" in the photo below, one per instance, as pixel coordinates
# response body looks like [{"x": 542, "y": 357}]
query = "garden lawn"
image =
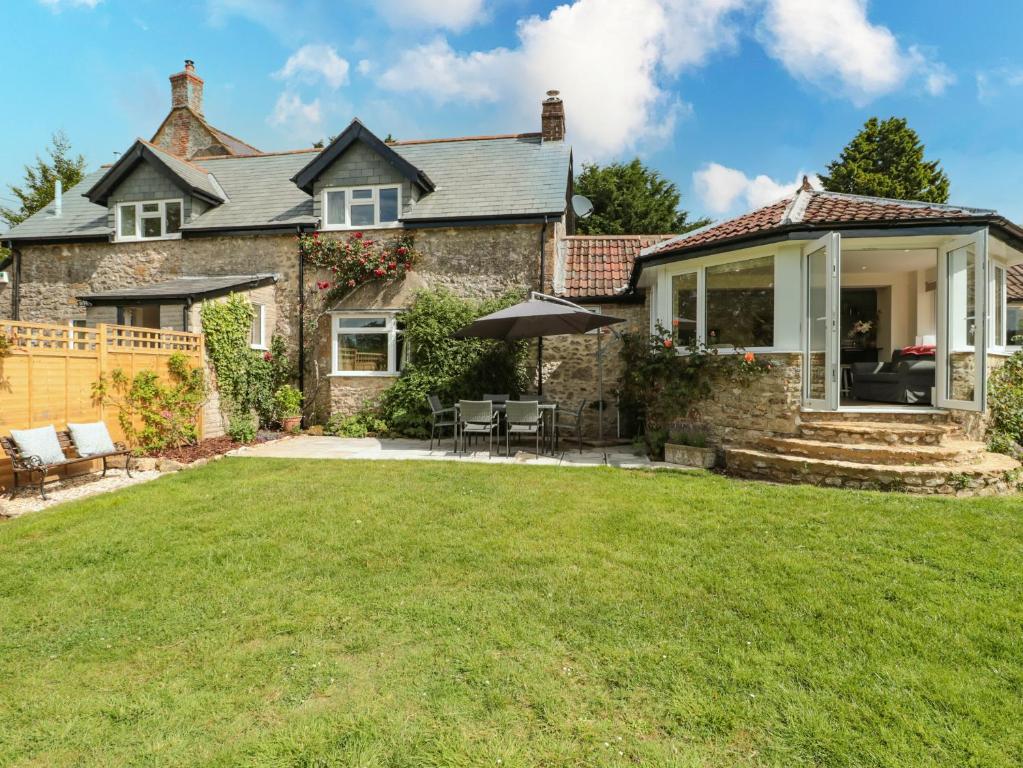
[{"x": 308, "y": 613}]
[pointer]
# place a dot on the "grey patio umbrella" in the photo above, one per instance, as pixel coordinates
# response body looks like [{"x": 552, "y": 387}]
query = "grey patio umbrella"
[{"x": 540, "y": 316}]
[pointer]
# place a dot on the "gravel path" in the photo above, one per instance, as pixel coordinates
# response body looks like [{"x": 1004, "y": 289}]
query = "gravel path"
[{"x": 69, "y": 489}]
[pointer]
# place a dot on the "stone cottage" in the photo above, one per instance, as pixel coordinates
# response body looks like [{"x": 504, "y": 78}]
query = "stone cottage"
[{"x": 194, "y": 213}]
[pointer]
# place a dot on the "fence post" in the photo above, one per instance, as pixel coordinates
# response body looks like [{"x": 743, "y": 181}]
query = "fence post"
[
  {"x": 202, "y": 367},
  {"x": 101, "y": 357}
]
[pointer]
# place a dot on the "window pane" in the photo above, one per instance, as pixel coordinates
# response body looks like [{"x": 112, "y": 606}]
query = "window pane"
[
  {"x": 740, "y": 304},
  {"x": 150, "y": 208},
  {"x": 173, "y": 217},
  {"x": 362, "y": 194},
  {"x": 362, "y": 352},
  {"x": 1015, "y": 323},
  {"x": 999, "y": 308},
  {"x": 362, "y": 322},
  {"x": 684, "y": 308},
  {"x": 256, "y": 330},
  {"x": 362, "y": 215},
  {"x": 336, "y": 208},
  {"x": 151, "y": 226},
  {"x": 388, "y": 205},
  {"x": 127, "y": 221}
]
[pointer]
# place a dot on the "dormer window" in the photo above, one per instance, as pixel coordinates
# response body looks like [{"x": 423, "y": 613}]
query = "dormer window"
[
  {"x": 148, "y": 220},
  {"x": 361, "y": 207}
]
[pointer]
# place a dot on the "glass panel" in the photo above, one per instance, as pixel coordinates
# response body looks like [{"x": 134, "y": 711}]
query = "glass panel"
[
  {"x": 362, "y": 352},
  {"x": 362, "y": 215},
  {"x": 684, "y": 308},
  {"x": 127, "y": 221},
  {"x": 256, "y": 330},
  {"x": 961, "y": 323},
  {"x": 336, "y": 208},
  {"x": 388, "y": 205},
  {"x": 740, "y": 304},
  {"x": 362, "y": 194},
  {"x": 999, "y": 309},
  {"x": 151, "y": 227},
  {"x": 362, "y": 322},
  {"x": 150, "y": 208},
  {"x": 173, "y": 217},
  {"x": 1014, "y": 317},
  {"x": 817, "y": 337}
]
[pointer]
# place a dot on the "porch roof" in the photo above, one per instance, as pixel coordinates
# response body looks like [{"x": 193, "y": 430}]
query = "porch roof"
[
  {"x": 180, "y": 289},
  {"x": 598, "y": 266},
  {"x": 810, "y": 210}
]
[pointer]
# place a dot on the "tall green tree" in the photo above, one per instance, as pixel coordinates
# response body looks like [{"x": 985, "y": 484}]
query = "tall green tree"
[
  {"x": 886, "y": 159},
  {"x": 631, "y": 199},
  {"x": 40, "y": 179}
]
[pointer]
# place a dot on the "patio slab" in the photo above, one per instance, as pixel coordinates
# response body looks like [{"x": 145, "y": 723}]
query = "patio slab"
[{"x": 310, "y": 447}]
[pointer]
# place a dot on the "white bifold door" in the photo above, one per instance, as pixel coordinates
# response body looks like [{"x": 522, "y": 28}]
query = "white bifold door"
[
  {"x": 822, "y": 265},
  {"x": 961, "y": 359}
]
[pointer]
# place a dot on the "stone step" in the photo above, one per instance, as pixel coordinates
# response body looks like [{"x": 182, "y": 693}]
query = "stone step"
[
  {"x": 894, "y": 417},
  {"x": 991, "y": 474},
  {"x": 877, "y": 432},
  {"x": 951, "y": 452}
]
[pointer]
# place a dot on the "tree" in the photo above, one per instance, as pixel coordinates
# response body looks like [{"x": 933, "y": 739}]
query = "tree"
[
  {"x": 886, "y": 159},
  {"x": 40, "y": 179},
  {"x": 631, "y": 199}
]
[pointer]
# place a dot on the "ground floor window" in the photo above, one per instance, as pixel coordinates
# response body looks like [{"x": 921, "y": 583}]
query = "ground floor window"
[
  {"x": 1014, "y": 322},
  {"x": 366, "y": 344},
  {"x": 725, "y": 305},
  {"x": 257, "y": 332}
]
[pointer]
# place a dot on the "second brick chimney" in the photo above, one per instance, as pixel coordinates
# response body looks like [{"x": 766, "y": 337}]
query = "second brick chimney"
[
  {"x": 186, "y": 88},
  {"x": 552, "y": 118}
]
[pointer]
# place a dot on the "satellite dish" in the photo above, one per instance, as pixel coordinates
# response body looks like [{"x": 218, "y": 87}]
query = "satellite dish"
[{"x": 581, "y": 206}]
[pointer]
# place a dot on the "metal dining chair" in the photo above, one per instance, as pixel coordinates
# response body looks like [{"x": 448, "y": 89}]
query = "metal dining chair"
[
  {"x": 497, "y": 399},
  {"x": 572, "y": 422},
  {"x": 477, "y": 417},
  {"x": 441, "y": 418},
  {"x": 522, "y": 418}
]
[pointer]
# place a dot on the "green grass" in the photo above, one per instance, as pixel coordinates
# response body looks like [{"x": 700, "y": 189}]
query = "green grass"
[{"x": 285, "y": 613}]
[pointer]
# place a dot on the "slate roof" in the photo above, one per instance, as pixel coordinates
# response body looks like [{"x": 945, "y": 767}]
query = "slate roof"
[
  {"x": 1014, "y": 282},
  {"x": 192, "y": 178},
  {"x": 475, "y": 178},
  {"x": 600, "y": 265},
  {"x": 182, "y": 288},
  {"x": 815, "y": 208}
]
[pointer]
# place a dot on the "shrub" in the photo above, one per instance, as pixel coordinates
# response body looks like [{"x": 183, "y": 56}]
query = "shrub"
[
  {"x": 168, "y": 411},
  {"x": 360, "y": 424},
  {"x": 450, "y": 368},
  {"x": 242, "y": 427},
  {"x": 1005, "y": 401},
  {"x": 287, "y": 402}
]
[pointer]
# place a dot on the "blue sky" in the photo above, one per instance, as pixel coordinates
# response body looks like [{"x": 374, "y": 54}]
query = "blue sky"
[{"x": 731, "y": 99}]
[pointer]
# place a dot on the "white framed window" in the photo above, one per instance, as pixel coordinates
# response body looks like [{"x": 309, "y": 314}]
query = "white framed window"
[
  {"x": 726, "y": 306},
  {"x": 148, "y": 220},
  {"x": 361, "y": 207},
  {"x": 257, "y": 331},
  {"x": 1014, "y": 324},
  {"x": 366, "y": 344}
]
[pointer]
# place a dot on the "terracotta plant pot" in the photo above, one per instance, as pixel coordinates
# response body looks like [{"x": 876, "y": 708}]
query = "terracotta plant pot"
[{"x": 291, "y": 423}]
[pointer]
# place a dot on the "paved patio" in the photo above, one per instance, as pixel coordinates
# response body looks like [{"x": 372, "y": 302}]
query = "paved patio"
[{"x": 310, "y": 447}]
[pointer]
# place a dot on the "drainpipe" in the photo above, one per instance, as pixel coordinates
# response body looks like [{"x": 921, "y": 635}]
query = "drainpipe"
[
  {"x": 539, "y": 340},
  {"x": 16, "y": 287},
  {"x": 185, "y": 311}
]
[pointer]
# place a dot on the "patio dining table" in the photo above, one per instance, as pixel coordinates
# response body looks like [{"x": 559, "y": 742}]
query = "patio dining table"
[{"x": 548, "y": 411}]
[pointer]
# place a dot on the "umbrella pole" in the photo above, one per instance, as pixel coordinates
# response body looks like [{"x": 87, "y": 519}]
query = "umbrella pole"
[{"x": 600, "y": 391}]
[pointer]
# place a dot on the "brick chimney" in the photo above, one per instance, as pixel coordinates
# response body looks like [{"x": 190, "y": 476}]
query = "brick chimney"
[
  {"x": 552, "y": 118},
  {"x": 186, "y": 89}
]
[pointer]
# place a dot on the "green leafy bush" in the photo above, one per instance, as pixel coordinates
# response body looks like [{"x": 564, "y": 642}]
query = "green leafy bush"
[
  {"x": 450, "y": 368},
  {"x": 287, "y": 402},
  {"x": 167, "y": 411},
  {"x": 357, "y": 425},
  {"x": 241, "y": 427},
  {"x": 1005, "y": 402},
  {"x": 248, "y": 379}
]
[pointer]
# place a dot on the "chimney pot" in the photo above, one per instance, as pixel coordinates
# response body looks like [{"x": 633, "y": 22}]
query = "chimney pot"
[
  {"x": 552, "y": 117},
  {"x": 189, "y": 65}
]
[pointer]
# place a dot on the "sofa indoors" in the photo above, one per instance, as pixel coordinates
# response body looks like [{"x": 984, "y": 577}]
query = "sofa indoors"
[{"x": 908, "y": 379}]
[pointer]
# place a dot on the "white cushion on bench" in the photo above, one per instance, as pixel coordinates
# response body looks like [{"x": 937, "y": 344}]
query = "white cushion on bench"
[
  {"x": 91, "y": 439},
  {"x": 41, "y": 442}
]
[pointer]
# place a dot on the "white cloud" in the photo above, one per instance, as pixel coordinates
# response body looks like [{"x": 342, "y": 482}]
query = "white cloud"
[
  {"x": 455, "y": 15},
  {"x": 603, "y": 55},
  {"x": 991, "y": 83},
  {"x": 300, "y": 119},
  {"x": 835, "y": 46},
  {"x": 315, "y": 61},
  {"x": 58, "y": 5},
  {"x": 722, "y": 189},
  {"x": 365, "y": 66}
]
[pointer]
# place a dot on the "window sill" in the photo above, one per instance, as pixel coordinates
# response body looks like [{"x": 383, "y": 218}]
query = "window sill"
[
  {"x": 175, "y": 236},
  {"x": 364, "y": 374},
  {"x": 368, "y": 227},
  {"x": 258, "y": 347}
]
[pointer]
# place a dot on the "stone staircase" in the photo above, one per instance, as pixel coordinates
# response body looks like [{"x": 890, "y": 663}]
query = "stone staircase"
[{"x": 922, "y": 453}]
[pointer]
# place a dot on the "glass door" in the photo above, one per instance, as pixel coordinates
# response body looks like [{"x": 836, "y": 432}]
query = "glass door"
[
  {"x": 821, "y": 296},
  {"x": 961, "y": 359}
]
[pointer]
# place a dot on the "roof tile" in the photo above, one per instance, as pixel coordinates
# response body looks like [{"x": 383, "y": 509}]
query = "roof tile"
[{"x": 600, "y": 265}]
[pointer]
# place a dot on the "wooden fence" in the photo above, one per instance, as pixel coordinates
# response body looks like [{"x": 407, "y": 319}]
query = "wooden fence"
[{"x": 48, "y": 373}]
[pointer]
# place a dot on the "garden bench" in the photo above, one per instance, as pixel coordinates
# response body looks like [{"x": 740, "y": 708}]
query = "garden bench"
[{"x": 34, "y": 467}]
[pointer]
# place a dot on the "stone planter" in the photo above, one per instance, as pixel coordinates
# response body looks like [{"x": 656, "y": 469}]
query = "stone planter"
[
  {"x": 690, "y": 455},
  {"x": 291, "y": 423}
]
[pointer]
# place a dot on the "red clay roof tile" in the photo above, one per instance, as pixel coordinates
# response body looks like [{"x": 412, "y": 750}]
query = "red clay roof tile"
[{"x": 599, "y": 266}]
